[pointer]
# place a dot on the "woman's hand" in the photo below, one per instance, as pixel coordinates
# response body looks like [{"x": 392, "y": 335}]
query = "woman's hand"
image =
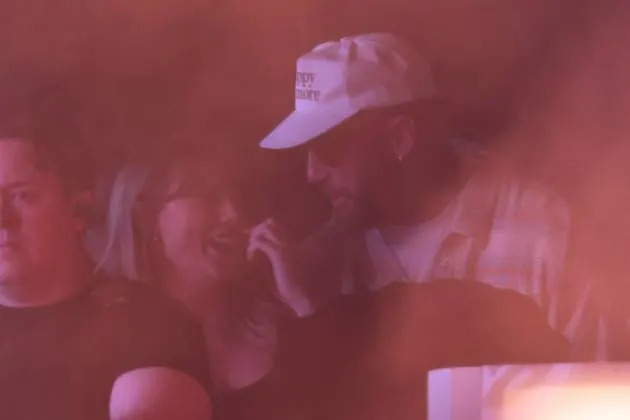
[{"x": 271, "y": 240}]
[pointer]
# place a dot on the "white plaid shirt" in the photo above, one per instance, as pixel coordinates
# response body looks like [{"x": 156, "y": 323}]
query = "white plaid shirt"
[{"x": 500, "y": 231}]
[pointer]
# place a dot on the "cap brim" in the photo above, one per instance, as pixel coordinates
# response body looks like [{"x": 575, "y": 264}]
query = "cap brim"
[{"x": 301, "y": 127}]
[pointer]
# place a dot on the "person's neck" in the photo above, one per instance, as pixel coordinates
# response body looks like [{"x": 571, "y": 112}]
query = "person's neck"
[
  {"x": 48, "y": 288},
  {"x": 208, "y": 304}
]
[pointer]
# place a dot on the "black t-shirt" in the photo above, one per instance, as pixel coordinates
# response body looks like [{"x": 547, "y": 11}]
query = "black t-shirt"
[
  {"x": 60, "y": 361},
  {"x": 366, "y": 356}
]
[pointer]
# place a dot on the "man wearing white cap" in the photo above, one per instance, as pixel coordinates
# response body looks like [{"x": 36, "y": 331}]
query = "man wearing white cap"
[{"x": 363, "y": 109}]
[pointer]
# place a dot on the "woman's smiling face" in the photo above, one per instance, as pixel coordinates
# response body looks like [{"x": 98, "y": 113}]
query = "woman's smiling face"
[{"x": 198, "y": 229}]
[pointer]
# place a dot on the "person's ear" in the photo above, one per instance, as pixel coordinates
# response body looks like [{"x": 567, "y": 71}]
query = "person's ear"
[{"x": 404, "y": 136}]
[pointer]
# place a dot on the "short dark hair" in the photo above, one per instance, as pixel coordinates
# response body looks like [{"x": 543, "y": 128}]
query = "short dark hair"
[{"x": 47, "y": 115}]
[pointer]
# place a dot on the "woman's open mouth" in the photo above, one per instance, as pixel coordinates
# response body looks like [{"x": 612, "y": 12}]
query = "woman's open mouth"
[{"x": 222, "y": 244}]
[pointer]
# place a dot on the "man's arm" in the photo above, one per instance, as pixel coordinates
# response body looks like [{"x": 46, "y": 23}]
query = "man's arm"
[{"x": 158, "y": 393}]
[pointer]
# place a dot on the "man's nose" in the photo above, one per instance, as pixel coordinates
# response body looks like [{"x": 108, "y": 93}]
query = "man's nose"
[{"x": 316, "y": 170}]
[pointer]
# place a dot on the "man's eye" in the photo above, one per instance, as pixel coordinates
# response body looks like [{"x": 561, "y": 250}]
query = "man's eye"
[{"x": 329, "y": 155}]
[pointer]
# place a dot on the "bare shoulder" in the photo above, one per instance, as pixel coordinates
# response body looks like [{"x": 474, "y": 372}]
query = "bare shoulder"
[{"x": 159, "y": 393}]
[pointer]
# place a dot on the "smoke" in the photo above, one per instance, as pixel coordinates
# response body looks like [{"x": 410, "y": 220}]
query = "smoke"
[
  {"x": 547, "y": 83},
  {"x": 144, "y": 66},
  {"x": 571, "y": 132}
]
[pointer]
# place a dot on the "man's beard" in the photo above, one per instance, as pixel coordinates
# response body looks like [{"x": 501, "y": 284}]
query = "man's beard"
[{"x": 323, "y": 247}]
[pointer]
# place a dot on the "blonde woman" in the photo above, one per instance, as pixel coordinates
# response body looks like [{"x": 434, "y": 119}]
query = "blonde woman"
[{"x": 174, "y": 223}]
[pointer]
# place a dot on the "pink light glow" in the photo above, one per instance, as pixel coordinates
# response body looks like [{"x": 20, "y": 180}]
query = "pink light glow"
[{"x": 601, "y": 401}]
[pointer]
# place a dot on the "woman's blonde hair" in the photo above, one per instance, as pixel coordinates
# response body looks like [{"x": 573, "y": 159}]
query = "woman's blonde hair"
[{"x": 123, "y": 253}]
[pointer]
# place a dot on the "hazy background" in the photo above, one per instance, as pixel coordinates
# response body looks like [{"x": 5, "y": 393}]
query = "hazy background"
[
  {"x": 144, "y": 64},
  {"x": 545, "y": 81}
]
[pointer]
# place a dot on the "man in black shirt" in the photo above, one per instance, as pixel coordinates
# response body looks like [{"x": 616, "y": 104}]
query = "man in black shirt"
[{"x": 71, "y": 346}]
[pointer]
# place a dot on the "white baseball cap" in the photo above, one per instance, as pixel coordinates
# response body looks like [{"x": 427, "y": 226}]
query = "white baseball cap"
[{"x": 338, "y": 79}]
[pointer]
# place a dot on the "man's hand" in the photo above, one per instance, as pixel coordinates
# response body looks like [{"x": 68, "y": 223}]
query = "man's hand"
[{"x": 269, "y": 239}]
